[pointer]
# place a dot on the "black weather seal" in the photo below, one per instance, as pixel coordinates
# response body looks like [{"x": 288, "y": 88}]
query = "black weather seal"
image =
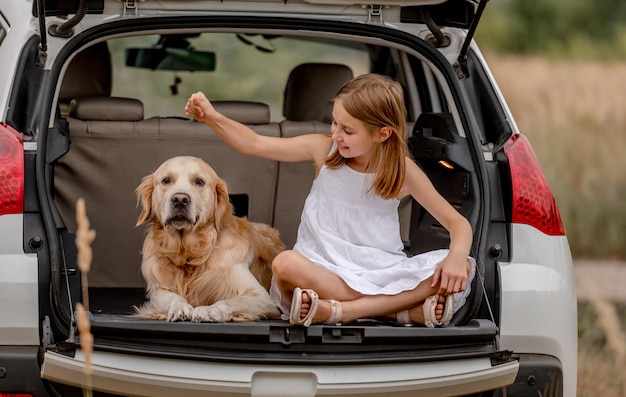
[
  {"x": 460, "y": 66},
  {"x": 42, "y": 49}
]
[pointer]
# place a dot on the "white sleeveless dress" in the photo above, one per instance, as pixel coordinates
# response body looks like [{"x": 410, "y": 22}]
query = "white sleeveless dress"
[{"x": 349, "y": 230}]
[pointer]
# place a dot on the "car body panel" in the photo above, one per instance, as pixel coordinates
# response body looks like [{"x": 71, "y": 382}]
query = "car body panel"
[
  {"x": 537, "y": 285},
  {"x": 16, "y": 33},
  {"x": 19, "y": 282}
]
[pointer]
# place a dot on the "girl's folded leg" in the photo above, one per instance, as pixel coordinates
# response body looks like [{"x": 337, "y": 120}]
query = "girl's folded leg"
[{"x": 368, "y": 306}]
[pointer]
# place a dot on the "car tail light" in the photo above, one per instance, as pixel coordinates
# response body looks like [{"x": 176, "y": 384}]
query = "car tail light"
[
  {"x": 11, "y": 171},
  {"x": 533, "y": 202}
]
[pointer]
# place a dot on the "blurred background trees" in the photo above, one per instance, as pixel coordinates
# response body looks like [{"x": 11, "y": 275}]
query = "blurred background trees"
[{"x": 558, "y": 28}]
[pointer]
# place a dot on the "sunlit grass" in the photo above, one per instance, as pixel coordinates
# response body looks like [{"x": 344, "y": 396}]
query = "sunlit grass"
[{"x": 573, "y": 113}]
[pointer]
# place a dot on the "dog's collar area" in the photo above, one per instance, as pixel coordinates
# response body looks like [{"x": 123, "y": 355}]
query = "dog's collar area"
[{"x": 188, "y": 266}]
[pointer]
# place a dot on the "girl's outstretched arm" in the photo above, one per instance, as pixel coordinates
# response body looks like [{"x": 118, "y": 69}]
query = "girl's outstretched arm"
[
  {"x": 452, "y": 273},
  {"x": 311, "y": 147}
]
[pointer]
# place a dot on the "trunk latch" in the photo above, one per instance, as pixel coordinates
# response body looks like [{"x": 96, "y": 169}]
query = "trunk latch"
[{"x": 375, "y": 13}]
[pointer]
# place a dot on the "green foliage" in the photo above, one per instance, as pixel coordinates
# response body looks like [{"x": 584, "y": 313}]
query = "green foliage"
[{"x": 574, "y": 28}]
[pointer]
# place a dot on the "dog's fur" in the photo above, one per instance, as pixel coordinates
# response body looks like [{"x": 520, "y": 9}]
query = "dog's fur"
[{"x": 200, "y": 262}]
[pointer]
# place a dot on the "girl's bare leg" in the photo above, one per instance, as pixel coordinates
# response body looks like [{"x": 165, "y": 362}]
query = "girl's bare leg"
[
  {"x": 294, "y": 270},
  {"x": 371, "y": 306}
]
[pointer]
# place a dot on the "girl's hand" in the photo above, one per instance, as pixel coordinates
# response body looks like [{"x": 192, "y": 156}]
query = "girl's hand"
[
  {"x": 199, "y": 107},
  {"x": 451, "y": 276}
]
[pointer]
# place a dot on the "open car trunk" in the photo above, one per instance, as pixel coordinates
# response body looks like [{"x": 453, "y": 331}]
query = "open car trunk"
[
  {"x": 267, "y": 343},
  {"x": 116, "y": 286}
]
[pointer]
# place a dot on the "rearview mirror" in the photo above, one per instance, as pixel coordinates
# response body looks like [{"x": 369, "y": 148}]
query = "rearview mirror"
[{"x": 168, "y": 58}]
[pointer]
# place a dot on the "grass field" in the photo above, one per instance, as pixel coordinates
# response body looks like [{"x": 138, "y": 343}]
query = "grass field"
[{"x": 574, "y": 114}]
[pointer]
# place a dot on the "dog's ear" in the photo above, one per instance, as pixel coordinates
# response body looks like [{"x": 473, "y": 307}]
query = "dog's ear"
[
  {"x": 144, "y": 198},
  {"x": 223, "y": 207}
]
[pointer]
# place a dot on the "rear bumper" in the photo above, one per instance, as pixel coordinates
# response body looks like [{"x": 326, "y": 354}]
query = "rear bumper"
[
  {"x": 538, "y": 375},
  {"x": 147, "y": 376},
  {"x": 19, "y": 370}
]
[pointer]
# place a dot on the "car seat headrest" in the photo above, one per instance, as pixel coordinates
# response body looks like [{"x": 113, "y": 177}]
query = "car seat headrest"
[
  {"x": 88, "y": 74},
  {"x": 245, "y": 112},
  {"x": 106, "y": 109},
  {"x": 310, "y": 88}
]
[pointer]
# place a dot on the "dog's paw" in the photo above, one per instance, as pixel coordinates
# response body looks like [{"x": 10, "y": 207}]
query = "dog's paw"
[
  {"x": 179, "y": 311},
  {"x": 215, "y": 313}
]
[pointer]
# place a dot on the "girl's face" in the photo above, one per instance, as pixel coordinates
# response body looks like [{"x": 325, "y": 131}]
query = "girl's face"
[{"x": 351, "y": 135}]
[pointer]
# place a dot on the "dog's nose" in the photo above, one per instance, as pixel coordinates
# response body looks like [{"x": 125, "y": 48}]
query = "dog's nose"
[{"x": 180, "y": 200}]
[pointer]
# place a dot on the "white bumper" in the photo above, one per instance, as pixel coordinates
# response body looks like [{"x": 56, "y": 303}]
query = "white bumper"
[{"x": 146, "y": 376}]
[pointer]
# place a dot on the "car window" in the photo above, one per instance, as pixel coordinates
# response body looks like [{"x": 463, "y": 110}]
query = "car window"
[{"x": 250, "y": 68}]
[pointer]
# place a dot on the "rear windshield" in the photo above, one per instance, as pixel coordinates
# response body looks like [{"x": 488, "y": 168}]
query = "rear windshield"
[{"x": 247, "y": 67}]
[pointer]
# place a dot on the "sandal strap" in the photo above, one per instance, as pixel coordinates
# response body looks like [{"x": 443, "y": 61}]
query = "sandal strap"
[
  {"x": 306, "y": 321},
  {"x": 296, "y": 306},
  {"x": 448, "y": 310},
  {"x": 403, "y": 318},
  {"x": 430, "y": 317},
  {"x": 336, "y": 310}
]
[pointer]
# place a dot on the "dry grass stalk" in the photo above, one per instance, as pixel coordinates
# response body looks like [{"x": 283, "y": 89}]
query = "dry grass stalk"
[
  {"x": 86, "y": 344},
  {"x": 84, "y": 238}
]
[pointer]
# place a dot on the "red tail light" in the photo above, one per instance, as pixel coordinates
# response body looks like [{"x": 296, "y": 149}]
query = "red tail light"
[
  {"x": 533, "y": 202},
  {"x": 11, "y": 171}
]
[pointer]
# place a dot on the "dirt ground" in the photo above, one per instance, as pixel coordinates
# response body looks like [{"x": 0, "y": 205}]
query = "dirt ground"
[{"x": 607, "y": 278}]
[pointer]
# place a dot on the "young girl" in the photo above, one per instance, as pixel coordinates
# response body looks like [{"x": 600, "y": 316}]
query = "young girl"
[{"x": 348, "y": 261}]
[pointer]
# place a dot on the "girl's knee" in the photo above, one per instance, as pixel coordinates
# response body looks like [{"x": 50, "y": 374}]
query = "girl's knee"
[{"x": 283, "y": 264}]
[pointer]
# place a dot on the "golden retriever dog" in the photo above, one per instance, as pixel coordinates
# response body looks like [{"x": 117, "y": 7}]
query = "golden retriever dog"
[{"x": 200, "y": 261}]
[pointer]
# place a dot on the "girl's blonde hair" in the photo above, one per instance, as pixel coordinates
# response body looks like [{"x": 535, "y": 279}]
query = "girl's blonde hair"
[{"x": 378, "y": 102}]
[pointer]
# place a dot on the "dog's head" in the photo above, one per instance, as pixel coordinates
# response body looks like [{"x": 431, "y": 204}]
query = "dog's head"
[{"x": 182, "y": 194}]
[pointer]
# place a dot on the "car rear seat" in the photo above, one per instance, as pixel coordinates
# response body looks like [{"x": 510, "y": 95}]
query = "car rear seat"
[{"x": 113, "y": 148}]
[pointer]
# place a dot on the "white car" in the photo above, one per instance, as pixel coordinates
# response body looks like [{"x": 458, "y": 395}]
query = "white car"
[{"x": 92, "y": 96}]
